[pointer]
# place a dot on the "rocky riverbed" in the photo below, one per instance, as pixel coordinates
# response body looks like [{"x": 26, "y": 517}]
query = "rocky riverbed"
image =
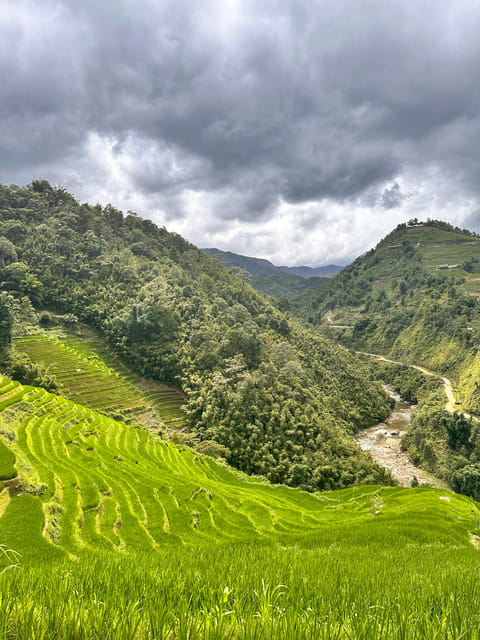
[{"x": 383, "y": 442}]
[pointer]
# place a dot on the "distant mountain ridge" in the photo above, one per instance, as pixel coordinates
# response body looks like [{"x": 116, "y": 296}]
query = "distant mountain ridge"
[{"x": 260, "y": 266}]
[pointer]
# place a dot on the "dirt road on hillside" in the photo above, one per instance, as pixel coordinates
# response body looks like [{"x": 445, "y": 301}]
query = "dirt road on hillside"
[
  {"x": 383, "y": 441},
  {"x": 447, "y": 385}
]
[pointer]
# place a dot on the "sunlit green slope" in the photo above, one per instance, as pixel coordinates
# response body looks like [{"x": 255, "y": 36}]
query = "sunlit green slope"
[
  {"x": 414, "y": 297},
  {"x": 90, "y": 375},
  {"x": 109, "y": 531},
  {"x": 86, "y": 481}
]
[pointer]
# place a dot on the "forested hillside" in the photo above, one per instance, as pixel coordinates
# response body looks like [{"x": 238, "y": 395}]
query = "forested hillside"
[
  {"x": 416, "y": 298},
  {"x": 262, "y": 391}
]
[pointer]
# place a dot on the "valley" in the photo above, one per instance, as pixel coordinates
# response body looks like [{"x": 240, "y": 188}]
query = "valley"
[{"x": 184, "y": 457}]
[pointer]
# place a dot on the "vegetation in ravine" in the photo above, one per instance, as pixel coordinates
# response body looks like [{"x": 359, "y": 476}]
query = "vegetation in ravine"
[
  {"x": 179, "y": 317},
  {"x": 410, "y": 383},
  {"x": 447, "y": 444},
  {"x": 286, "y": 287},
  {"x": 443, "y": 442}
]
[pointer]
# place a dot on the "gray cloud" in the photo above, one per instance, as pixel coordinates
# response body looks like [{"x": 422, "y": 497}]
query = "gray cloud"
[
  {"x": 392, "y": 197},
  {"x": 228, "y": 109}
]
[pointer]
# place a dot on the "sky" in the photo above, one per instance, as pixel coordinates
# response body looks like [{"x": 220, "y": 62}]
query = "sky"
[{"x": 301, "y": 131}]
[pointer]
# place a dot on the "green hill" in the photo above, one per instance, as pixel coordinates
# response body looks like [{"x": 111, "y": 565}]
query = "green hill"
[
  {"x": 103, "y": 484},
  {"x": 259, "y": 389},
  {"x": 109, "y": 531},
  {"x": 415, "y": 299}
]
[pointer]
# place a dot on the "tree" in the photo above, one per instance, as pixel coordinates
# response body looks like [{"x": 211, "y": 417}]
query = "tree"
[
  {"x": 458, "y": 429},
  {"x": 8, "y": 252},
  {"x": 467, "y": 481},
  {"x": 6, "y": 320}
]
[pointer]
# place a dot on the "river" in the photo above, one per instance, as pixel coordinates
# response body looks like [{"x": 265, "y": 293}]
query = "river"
[{"x": 383, "y": 443}]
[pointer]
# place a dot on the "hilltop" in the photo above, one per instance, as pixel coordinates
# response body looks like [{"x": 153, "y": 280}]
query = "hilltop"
[{"x": 414, "y": 296}]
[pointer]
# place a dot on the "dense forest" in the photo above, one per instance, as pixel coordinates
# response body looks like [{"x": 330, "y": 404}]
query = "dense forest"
[{"x": 264, "y": 392}]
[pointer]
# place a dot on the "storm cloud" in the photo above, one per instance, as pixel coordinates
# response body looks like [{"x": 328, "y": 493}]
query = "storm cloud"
[{"x": 294, "y": 130}]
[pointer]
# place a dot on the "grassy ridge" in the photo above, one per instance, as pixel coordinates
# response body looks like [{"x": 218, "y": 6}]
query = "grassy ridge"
[{"x": 105, "y": 485}]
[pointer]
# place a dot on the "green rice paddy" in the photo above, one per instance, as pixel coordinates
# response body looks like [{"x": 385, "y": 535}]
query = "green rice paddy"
[
  {"x": 93, "y": 377},
  {"x": 108, "y": 531},
  {"x": 104, "y": 485}
]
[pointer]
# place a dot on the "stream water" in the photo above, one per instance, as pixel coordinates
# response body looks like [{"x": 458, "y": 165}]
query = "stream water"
[{"x": 382, "y": 441}]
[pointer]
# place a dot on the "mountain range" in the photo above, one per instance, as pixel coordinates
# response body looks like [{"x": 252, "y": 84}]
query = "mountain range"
[
  {"x": 279, "y": 282},
  {"x": 260, "y": 266}
]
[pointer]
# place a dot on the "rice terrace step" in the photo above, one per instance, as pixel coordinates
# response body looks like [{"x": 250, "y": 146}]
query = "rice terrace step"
[{"x": 92, "y": 376}]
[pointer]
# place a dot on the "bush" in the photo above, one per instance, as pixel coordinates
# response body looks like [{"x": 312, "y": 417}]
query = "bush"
[
  {"x": 467, "y": 481},
  {"x": 18, "y": 366},
  {"x": 46, "y": 319}
]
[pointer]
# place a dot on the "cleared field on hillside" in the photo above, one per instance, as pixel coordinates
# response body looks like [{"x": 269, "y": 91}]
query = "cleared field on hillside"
[
  {"x": 91, "y": 376},
  {"x": 439, "y": 247}
]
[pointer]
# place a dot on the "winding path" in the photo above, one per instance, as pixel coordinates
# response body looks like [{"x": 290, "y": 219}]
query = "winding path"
[{"x": 447, "y": 385}]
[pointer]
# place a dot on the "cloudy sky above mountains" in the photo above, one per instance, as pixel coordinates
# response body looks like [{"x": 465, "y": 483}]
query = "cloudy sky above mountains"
[{"x": 296, "y": 130}]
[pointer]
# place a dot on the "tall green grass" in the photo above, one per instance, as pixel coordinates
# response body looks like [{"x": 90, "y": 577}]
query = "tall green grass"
[{"x": 248, "y": 592}]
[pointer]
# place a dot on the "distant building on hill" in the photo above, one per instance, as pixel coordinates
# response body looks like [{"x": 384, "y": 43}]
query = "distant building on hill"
[{"x": 414, "y": 223}]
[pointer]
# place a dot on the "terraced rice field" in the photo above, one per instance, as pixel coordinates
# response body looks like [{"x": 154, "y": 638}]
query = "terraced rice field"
[
  {"x": 110, "y": 532},
  {"x": 86, "y": 481},
  {"x": 94, "y": 378}
]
